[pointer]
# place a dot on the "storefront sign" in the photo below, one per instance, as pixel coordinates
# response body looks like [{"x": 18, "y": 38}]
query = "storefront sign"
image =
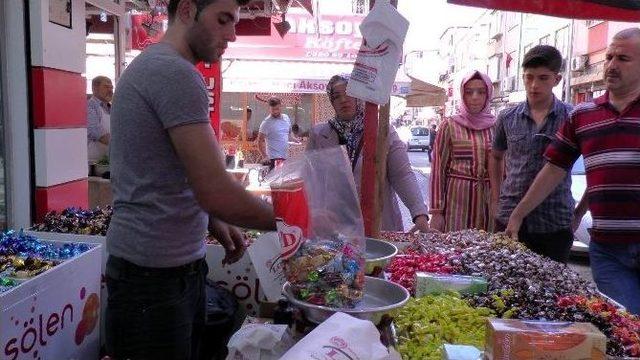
[
  {"x": 292, "y": 86},
  {"x": 334, "y": 38},
  {"x": 212, "y": 77}
]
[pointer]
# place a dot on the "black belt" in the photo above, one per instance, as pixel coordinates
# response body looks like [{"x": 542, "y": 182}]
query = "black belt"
[{"x": 129, "y": 267}]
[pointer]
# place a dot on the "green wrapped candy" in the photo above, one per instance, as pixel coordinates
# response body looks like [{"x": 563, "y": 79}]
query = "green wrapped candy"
[{"x": 425, "y": 324}]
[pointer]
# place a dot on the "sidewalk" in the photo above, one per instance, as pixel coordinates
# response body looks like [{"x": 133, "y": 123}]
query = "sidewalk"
[{"x": 424, "y": 181}]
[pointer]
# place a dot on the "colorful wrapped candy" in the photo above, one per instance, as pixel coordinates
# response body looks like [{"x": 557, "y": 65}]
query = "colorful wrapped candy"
[
  {"x": 7, "y": 284},
  {"x": 327, "y": 272},
  {"x": 20, "y": 244},
  {"x": 77, "y": 221},
  {"x": 320, "y": 228},
  {"x": 30, "y": 267},
  {"x": 24, "y": 256}
]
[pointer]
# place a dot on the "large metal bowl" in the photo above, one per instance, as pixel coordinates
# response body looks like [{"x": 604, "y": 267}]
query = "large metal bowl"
[
  {"x": 378, "y": 254},
  {"x": 380, "y": 298}
]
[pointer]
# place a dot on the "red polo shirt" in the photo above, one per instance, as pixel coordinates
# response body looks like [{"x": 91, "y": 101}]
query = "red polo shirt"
[{"x": 610, "y": 143}]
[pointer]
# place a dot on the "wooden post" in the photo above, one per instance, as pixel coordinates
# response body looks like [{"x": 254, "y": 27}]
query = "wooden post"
[
  {"x": 369, "y": 181},
  {"x": 374, "y": 163}
]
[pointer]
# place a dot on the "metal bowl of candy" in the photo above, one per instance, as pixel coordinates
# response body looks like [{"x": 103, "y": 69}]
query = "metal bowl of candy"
[
  {"x": 380, "y": 298},
  {"x": 378, "y": 254}
]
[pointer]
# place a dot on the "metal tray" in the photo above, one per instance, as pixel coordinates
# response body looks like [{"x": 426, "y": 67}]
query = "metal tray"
[
  {"x": 380, "y": 298},
  {"x": 377, "y": 255}
]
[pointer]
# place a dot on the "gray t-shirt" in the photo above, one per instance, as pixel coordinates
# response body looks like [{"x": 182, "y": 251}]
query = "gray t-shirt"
[
  {"x": 276, "y": 132},
  {"x": 156, "y": 219}
]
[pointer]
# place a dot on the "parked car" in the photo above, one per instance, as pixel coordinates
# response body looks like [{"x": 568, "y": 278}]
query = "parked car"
[
  {"x": 578, "y": 186},
  {"x": 419, "y": 139}
]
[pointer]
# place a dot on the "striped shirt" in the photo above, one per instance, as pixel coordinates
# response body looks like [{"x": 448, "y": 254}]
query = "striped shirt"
[
  {"x": 524, "y": 144},
  {"x": 609, "y": 141},
  {"x": 459, "y": 179}
]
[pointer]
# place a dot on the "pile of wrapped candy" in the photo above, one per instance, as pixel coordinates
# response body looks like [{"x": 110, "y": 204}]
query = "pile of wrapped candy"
[
  {"x": 403, "y": 268},
  {"x": 77, "y": 221},
  {"x": 522, "y": 285},
  {"x": 428, "y": 322},
  {"x": 621, "y": 328},
  {"x": 23, "y": 256},
  {"x": 328, "y": 272}
]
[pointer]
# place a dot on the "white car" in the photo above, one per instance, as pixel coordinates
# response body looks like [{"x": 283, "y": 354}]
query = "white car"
[
  {"x": 578, "y": 186},
  {"x": 419, "y": 139}
]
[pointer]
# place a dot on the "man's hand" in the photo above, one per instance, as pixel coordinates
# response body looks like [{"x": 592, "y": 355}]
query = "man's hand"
[
  {"x": 437, "y": 222},
  {"x": 577, "y": 219},
  {"x": 421, "y": 224},
  {"x": 513, "y": 227},
  {"x": 231, "y": 238},
  {"x": 579, "y": 212}
]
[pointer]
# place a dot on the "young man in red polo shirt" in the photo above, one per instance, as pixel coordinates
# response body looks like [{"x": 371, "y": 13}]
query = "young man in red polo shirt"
[{"x": 607, "y": 133}]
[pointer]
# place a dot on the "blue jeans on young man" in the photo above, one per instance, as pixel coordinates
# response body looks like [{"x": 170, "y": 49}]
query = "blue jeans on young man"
[
  {"x": 155, "y": 313},
  {"x": 616, "y": 271}
]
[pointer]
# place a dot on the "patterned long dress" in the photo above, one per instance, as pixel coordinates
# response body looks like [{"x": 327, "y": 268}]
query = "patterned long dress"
[{"x": 459, "y": 177}]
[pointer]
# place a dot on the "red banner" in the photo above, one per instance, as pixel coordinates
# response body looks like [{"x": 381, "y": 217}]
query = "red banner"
[
  {"x": 334, "y": 38},
  {"x": 213, "y": 80},
  {"x": 615, "y": 10},
  {"x": 146, "y": 30}
]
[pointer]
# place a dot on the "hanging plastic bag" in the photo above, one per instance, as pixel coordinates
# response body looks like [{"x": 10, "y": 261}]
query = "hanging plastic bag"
[
  {"x": 374, "y": 71},
  {"x": 320, "y": 228}
]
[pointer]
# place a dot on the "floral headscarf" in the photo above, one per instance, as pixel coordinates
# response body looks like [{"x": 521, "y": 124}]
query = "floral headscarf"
[{"x": 349, "y": 130}]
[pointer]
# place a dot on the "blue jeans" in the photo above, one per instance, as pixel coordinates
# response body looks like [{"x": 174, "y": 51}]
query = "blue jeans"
[
  {"x": 155, "y": 313},
  {"x": 616, "y": 271}
]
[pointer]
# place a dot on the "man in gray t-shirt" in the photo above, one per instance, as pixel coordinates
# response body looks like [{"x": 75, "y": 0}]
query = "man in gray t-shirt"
[
  {"x": 170, "y": 186},
  {"x": 275, "y": 131}
]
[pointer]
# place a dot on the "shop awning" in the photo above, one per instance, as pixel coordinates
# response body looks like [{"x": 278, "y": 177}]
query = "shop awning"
[
  {"x": 423, "y": 94},
  {"x": 303, "y": 77},
  {"x": 615, "y": 10}
]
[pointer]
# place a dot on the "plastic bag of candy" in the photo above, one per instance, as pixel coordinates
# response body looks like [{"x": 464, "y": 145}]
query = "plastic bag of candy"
[{"x": 320, "y": 228}]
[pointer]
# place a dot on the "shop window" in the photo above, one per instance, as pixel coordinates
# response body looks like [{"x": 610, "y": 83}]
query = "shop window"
[{"x": 231, "y": 113}]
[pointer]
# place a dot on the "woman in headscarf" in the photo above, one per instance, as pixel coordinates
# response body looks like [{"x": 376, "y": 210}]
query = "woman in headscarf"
[
  {"x": 459, "y": 179},
  {"x": 347, "y": 128}
]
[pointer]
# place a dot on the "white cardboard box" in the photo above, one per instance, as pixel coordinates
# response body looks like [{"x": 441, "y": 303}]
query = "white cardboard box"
[
  {"x": 89, "y": 239},
  {"x": 239, "y": 278},
  {"x": 54, "y": 315}
]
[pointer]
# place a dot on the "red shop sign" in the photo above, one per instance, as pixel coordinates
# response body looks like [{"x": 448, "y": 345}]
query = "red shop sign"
[
  {"x": 334, "y": 38},
  {"x": 213, "y": 80}
]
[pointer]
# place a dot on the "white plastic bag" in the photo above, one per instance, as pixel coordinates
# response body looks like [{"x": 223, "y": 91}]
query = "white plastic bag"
[
  {"x": 340, "y": 337},
  {"x": 374, "y": 71},
  {"x": 259, "y": 342},
  {"x": 320, "y": 228}
]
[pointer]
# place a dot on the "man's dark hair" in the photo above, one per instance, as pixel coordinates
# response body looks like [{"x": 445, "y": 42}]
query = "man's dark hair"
[
  {"x": 273, "y": 101},
  {"x": 172, "y": 7},
  {"x": 543, "y": 56}
]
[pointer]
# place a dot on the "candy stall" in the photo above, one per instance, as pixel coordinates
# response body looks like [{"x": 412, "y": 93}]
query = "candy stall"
[
  {"x": 49, "y": 298},
  {"x": 429, "y": 295}
]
